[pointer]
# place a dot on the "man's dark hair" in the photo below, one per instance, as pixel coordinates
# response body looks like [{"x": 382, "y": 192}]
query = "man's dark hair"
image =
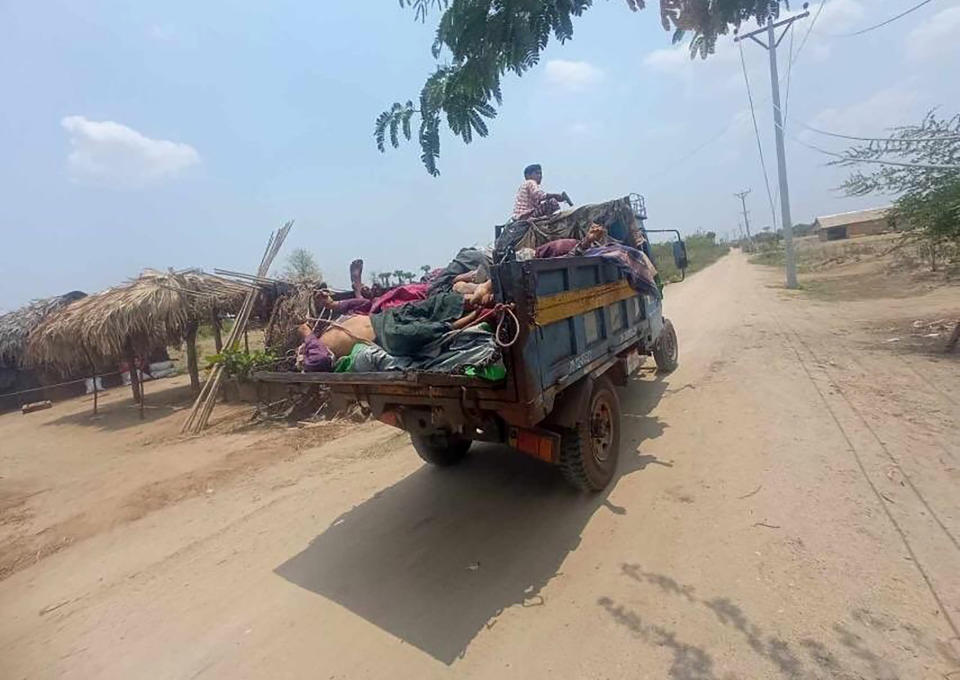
[{"x": 530, "y": 169}]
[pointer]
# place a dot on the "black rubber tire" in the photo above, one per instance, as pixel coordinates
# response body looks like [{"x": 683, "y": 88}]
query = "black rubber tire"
[
  {"x": 441, "y": 450},
  {"x": 666, "y": 351},
  {"x": 586, "y": 463}
]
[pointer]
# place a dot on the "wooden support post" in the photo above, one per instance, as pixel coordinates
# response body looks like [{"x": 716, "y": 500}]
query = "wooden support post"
[
  {"x": 190, "y": 337},
  {"x": 135, "y": 386},
  {"x": 217, "y": 330},
  {"x": 246, "y": 342},
  {"x": 93, "y": 370}
]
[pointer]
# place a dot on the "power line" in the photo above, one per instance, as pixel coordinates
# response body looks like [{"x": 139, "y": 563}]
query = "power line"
[
  {"x": 794, "y": 56},
  {"x": 756, "y": 132},
  {"x": 770, "y": 44},
  {"x": 660, "y": 172},
  {"x": 875, "y": 139},
  {"x": 786, "y": 97},
  {"x": 877, "y": 161},
  {"x": 883, "y": 23},
  {"x": 806, "y": 35}
]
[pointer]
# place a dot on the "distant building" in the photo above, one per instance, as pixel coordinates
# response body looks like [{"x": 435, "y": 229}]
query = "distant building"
[{"x": 851, "y": 224}]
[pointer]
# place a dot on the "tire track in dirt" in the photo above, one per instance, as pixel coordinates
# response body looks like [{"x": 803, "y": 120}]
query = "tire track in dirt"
[
  {"x": 23, "y": 551},
  {"x": 849, "y": 356},
  {"x": 931, "y": 384},
  {"x": 881, "y": 444},
  {"x": 858, "y": 458}
]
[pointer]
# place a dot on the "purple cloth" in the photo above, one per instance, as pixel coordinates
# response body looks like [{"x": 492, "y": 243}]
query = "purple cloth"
[
  {"x": 353, "y": 306},
  {"x": 634, "y": 264},
  {"x": 558, "y": 248},
  {"x": 316, "y": 355},
  {"x": 411, "y": 292}
]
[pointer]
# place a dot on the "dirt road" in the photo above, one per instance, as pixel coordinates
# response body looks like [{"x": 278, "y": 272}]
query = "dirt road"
[{"x": 787, "y": 507}]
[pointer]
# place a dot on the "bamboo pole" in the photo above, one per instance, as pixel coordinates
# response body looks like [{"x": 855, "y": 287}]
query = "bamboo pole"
[
  {"x": 132, "y": 369},
  {"x": 203, "y": 406},
  {"x": 93, "y": 370}
]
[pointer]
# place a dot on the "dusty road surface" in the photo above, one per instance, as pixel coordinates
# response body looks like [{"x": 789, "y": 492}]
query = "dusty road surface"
[{"x": 788, "y": 506}]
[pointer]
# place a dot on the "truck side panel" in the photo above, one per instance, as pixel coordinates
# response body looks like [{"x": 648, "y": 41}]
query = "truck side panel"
[{"x": 582, "y": 312}]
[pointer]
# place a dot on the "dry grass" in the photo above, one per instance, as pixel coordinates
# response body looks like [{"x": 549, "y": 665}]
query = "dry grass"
[
  {"x": 816, "y": 255},
  {"x": 153, "y": 309},
  {"x": 869, "y": 267},
  {"x": 15, "y": 326}
]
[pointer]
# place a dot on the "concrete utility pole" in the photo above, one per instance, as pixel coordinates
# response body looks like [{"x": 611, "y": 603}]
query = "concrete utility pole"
[
  {"x": 742, "y": 195},
  {"x": 770, "y": 44}
]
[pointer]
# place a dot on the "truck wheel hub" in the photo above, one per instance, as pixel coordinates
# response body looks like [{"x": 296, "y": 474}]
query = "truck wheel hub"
[{"x": 601, "y": 429}]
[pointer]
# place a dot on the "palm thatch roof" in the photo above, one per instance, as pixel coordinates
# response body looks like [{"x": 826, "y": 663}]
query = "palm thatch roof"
[
  {"x": 153, "y": 309},
  {"x": 289, "y": 311},
  {"x": 15, "y": 326}
]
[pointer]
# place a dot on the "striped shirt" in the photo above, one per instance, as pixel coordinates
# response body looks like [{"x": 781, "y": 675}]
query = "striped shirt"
[{"x": 529, "y": 196}]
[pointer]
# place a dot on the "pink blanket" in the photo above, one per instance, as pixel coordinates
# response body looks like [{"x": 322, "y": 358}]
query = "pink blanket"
[{"x": 400, "y": 295}]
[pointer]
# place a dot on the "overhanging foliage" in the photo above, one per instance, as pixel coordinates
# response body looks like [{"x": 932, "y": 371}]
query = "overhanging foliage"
[{"x": 480, "y": 41}]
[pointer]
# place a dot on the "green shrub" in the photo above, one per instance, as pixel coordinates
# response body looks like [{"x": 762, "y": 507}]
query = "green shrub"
[
  {"x": 240, "y": 364},
  {"x": 702, "y": 250}
]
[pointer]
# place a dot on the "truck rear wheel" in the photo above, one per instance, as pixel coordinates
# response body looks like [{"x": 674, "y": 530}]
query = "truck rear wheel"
[
  {"x": 589, "y": 452},
  {"x": 666, "y": 351},
  {"x": 441, "y": 449}
]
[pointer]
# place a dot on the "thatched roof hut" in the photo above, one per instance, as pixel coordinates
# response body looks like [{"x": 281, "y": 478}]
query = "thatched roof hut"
[
  {"x": 15, "y": 326},
  {"x": 121, "y": 322}
]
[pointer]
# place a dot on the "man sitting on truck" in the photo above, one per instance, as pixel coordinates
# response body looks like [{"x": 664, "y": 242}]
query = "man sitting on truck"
[{"x": 532, "y": 200}]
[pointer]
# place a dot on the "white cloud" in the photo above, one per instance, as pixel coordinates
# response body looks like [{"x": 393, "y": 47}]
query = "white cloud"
[
  {"x": 935, "y": 37},
  {"x": 837, "y": 15},
  {"x": 163, "y": 32},
  {"x": 573, "y": 75},
  {"x": 674, "y": 59},
  {"x": 872, "y": 116},
  {"x": 108, "y": 153},
  {"x": 722, "y": 70},
  {"x": 718, "y": 72}
]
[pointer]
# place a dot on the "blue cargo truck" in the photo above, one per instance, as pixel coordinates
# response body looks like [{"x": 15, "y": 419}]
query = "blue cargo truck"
[{"x": 581, "y": 331}]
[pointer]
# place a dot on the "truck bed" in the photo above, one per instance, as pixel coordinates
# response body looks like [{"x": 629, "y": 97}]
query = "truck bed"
[
  {"x": 426, "y": 378},
  {"x": 578, "y": 316}
]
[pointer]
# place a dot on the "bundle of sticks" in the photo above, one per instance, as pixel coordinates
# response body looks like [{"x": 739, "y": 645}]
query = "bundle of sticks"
[{"x": 203, "y": 406}]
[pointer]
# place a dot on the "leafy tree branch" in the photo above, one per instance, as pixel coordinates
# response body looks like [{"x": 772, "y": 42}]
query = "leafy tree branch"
[
  {"x": 927, "y": 183},
  {"x": 483, "y": 40}
]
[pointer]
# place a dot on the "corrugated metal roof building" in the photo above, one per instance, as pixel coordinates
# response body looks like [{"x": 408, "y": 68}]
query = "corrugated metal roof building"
[{"x": 851, "y": 224}]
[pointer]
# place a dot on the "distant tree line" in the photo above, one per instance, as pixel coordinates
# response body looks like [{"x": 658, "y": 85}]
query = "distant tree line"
[{"x": 397, "y": 277}]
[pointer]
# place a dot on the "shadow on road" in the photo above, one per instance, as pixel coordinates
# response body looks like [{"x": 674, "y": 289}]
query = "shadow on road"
[
  {"x": 860, "y": 647},
  {"x": 435, "y": 557},
  {"x": 120, "y": 413}
]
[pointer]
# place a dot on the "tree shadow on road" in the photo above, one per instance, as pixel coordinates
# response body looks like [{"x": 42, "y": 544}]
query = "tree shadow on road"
[
  {"x": 849, "y": 655},
  {"x": 436, "y": 557}
]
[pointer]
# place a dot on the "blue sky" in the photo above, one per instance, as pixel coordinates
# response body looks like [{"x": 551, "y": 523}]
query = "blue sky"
[{"x": 179, "y": 134}]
